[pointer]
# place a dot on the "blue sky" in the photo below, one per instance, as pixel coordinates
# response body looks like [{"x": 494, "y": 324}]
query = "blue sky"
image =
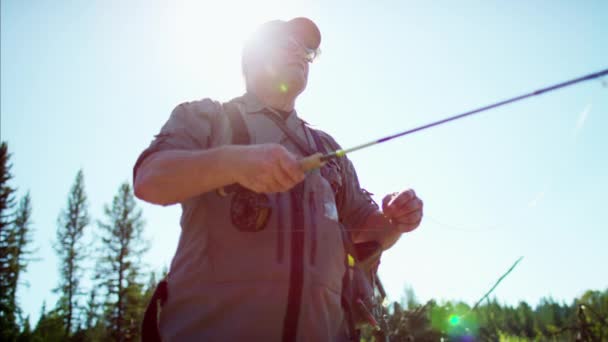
[{"x": 87, "y": 84}]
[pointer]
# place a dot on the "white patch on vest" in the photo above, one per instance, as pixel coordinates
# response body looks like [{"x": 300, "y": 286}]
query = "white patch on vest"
[{"x": 331, "y": 212}]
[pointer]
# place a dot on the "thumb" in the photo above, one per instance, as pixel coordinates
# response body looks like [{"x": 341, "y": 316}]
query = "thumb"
[{"x": 385, "y": 201}]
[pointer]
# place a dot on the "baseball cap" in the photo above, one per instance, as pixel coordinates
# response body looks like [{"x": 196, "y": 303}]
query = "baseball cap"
[{"x": 303, "y": 29}]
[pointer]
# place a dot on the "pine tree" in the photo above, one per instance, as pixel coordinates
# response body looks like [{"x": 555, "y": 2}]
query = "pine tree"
[
  {"x": 71, "y": 225},
  {"x": 123, "y": 246},
  {"x": 91, "y": 314},
  {"x": 23, "y": 241},
  {"x": 15, "y": 241},
  {"x": 26, "y": 332},
  {"x": 93, "y": 325},
  {"x": 7, "y": 199},
  {"x": 49, "y": 327},
  {"x": 8, "y": 327}
]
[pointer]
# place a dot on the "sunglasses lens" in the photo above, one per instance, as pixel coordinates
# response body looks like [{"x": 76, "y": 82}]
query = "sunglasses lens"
[{"x": 310, "y": 56}]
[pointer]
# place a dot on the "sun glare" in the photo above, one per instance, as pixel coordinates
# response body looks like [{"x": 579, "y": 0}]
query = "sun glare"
[{"x": 206, "y": 38}]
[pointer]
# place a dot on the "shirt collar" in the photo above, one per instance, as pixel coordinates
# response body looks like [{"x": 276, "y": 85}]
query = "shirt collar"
[{"x": 251, "y": 104}]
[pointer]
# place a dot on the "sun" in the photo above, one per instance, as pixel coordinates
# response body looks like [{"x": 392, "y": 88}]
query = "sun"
[{"x": 205, "y": 38}]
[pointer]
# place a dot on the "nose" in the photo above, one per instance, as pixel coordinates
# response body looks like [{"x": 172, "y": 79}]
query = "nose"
[{"x": 296, "y": 49}]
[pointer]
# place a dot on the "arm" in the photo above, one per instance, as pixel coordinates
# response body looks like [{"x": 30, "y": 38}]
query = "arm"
[
  {"x": 180, "y": 163},
  {"x": 377, "y": 227},
  {"x": 401, "y": 213},
  {"x": 172, "y": 176}
]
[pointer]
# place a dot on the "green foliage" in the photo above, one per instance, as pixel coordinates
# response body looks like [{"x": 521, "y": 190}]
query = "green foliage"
[
  {"x": 119, "y": 266},
  {"x": 15, "y": 242},
  {"x": 586, "y": 319},
  {"x": 69, "y": 246},
  {"x": 8, "y": 326},
  {"x": 7, "y": 199},
  {"x": 592, "y": 313},
  {"x": 50, "y": 327},
  {"x": 412, "y": 324}
]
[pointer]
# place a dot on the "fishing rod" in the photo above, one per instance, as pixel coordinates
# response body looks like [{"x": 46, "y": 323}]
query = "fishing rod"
[{"x": 318, "y": 159}]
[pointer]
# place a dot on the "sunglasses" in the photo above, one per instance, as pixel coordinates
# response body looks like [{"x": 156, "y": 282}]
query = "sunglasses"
[{"x": 294, "y": 46}]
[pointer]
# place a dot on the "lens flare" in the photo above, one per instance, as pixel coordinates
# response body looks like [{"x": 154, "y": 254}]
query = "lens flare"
[
  {"x": 283, "y": 88},
  {"x": 454, "y": 320}
]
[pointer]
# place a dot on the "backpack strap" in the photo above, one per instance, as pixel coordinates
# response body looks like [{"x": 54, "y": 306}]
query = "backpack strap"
[
  {"x": 149, "y": 326},
  {"x": 240, "y": 133},
  {"x": 239, "y": 136},
  {"x": 299, "y": 142},
  {"x": 361, "y": 277},
  {"x": 351, "y": 255}
]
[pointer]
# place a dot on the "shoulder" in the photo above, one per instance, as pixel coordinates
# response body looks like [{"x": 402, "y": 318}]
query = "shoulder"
[
  {"x": 194, "y": 115},
  {"x": 200, "y": 109},
  {"x": 326, "y": 138}
]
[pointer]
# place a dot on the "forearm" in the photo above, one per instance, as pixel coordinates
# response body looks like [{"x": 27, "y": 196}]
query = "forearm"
[
  {"x": 377, "y": 227},
  {"x": 168, "y": 177}
]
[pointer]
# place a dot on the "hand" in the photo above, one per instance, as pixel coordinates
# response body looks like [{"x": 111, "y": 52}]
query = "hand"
[
  {"x": 267, "y": 168},
  {"x": 404, "y": 210}
]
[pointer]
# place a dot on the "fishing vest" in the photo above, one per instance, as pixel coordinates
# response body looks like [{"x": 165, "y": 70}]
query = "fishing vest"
[{"x": 248, "y": 260}]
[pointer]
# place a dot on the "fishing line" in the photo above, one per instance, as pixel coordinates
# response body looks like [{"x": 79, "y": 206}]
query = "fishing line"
[{"x": 564, "y": 155}]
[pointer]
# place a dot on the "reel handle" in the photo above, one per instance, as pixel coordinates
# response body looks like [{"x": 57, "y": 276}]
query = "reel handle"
[{"x": 311, "y": 162}]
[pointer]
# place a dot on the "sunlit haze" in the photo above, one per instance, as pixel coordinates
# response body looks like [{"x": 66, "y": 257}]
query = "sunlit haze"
[{"x": 88, "y": 84}]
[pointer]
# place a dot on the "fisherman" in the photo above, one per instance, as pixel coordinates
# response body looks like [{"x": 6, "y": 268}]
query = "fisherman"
[{"x": 261, "y": 253}]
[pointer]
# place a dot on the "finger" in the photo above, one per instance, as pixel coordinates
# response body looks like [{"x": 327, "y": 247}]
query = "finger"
[
  {"x": 409, "y": 207},
  {"x": 406, "y": 228},
  {"x": 387, "y": 208},
  {"x": 255, "y": 187},
  {"x": 409, "y": 218},
  {"x": 264, "y": 183},
  {"x": 403, "y": 198},
  {"x": 386, "y": 200},
  {"x": 272, "y": 184},
  {"x": 311, "y": 162},
  {"x": 291, "y": 167},
  {"x": 283, "y": 178}
]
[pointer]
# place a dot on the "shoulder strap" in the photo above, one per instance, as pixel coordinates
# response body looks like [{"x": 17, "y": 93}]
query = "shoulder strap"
[
  {"x": 240, "y": 133},
  {"x": 149, "y": 326},
  {"x": 239, "y": 136},
  {"x": 317, "y": 138},
  {"x": 299, "y": 142}
]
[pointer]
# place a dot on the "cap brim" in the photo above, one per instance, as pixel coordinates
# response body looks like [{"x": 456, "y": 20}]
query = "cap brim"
[
  {"x": 306, "y": 31},
  {"x": 303, "y": 29}
]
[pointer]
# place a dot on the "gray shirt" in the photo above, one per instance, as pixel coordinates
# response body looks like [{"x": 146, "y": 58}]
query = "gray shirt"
[{"x": 285, "y": 279}]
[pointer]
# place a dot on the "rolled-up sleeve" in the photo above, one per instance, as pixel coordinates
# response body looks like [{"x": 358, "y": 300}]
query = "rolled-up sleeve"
[
  {"x": 189, "y": 128},
  {"x": 355, "y": 204}
]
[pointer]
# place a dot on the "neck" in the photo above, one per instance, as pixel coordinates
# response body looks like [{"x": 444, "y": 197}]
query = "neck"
[{"x": 283, "y": 102}]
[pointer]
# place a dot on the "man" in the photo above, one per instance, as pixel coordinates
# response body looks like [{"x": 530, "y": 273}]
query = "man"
[{"x": 261, "y": 253}]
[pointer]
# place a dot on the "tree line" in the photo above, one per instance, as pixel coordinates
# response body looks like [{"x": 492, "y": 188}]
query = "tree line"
[
  {"x": 113, "y": 307},
  {"x": 584, "y": 319}
]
